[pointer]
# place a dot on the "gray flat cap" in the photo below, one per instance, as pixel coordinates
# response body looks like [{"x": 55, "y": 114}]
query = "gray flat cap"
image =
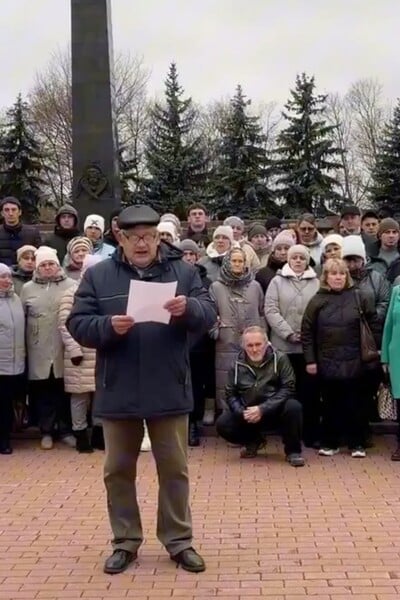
[{"x": 138, "y": 214}]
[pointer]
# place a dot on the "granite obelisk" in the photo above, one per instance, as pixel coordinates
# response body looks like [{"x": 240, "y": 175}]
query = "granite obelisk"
[{"x": 96, "y": 185}]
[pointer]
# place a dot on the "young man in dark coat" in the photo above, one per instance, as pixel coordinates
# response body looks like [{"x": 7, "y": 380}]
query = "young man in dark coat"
[
  {"x": 260, "y": 395},
  {"x": 14, "y": 234},
  {"x": 66, "y": 228},
  {"x": 142, "y": 373}
]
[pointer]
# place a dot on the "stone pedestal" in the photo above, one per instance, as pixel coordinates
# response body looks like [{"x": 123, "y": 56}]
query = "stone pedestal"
[{"x": 94, "y": 142}]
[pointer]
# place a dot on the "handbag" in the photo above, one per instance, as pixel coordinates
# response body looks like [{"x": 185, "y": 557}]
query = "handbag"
[
  {"x": 387, "y": 405},
  {"x": 369, "y": 350}
]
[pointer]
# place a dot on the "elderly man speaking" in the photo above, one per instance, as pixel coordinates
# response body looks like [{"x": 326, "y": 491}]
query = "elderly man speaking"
[{"x": 142, "y": 373}]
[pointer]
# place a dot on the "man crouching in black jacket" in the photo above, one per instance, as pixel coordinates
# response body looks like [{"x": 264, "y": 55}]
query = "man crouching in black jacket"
[{"x": 260, "y": 397}]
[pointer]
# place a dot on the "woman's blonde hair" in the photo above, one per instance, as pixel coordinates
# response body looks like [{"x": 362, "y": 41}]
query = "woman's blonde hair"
[{"x": 335, "y": 264}]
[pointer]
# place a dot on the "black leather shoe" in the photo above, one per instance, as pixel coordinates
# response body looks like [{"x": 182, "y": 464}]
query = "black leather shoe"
[
  {"x": 189, "y": 560},
  {"x": 194, "y": 435},
  {"x": 82, "y": 442},
  {"x": 118, "y": 562},
  {"x": 97, "y": 440},
  {"x": 6, "y": 449}
]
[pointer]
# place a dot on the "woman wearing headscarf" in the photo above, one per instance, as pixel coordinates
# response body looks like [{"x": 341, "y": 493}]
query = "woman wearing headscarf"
[
  {"x": 41, "y": 299},
  {"x": 240, "y": 241},
  {"x": 12, "y": 355},
  {"x": 239, "y": 300},
  {"x": 285, "y": 303}
]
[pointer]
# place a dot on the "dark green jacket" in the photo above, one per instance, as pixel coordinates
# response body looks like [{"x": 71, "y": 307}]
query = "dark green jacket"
[{"x": 268, "y": 386}]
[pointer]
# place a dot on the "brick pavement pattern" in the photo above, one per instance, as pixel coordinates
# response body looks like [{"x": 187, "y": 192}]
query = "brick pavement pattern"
[{"x": 330, "y": 530}]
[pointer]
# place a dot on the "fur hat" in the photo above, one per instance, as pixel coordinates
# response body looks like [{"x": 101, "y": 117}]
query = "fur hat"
[
  {"x": 387, "y": 224},
  {"x": 284, "y": 238},
  {"x": 234, "y": 222},
  {"x": 225, "y": 231},
  {"x": 332, "y": 238},
  {"x": 79, "y": 240},
  {"x": 168, "y": 227},
  {"x": 45, "y": 253},
  {"x": 189, "y": 246},
  {"x": 25, "y": 248},
  {"x": 299, "y": 249},
  {"x": 94, "y": 221},
  {"x": 353, "y": 245}
]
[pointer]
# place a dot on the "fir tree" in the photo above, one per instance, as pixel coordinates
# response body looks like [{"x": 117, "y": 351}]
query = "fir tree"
[
  {"x": 385, "y": 189},
  {"x": 127, "y": 172},
  {"x": 242, "y": 166},
  {"x": 305, "y": 153},
  {"x": 21, "y": 161},
  {"x": 175, "y": 158}
]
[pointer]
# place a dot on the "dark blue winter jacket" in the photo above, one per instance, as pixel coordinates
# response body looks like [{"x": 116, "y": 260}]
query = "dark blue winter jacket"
[{"x": 144, "y": 373}]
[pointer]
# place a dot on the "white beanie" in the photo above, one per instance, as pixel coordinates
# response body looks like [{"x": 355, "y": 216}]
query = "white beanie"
[
  {"x": 94, "y": 221},
  {"x": 224, "y": 230},
  {"x": 4, "y": 269},
  {"x": 353, "y": 245},
  {"x": 45, "y": 253},
  {"x": 332, "y": 238},
  {"x": 299, "y": 249},
  {"x": 168, "y": 227}
]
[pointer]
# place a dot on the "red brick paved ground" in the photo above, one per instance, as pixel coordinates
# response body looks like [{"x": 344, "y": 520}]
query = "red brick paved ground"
[{"x": 328, "y": 531}]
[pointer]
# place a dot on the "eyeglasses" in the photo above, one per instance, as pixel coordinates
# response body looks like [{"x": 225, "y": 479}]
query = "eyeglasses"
[
  {"x": 307, "y": 229},
  {"x": 147, "y": 238}
]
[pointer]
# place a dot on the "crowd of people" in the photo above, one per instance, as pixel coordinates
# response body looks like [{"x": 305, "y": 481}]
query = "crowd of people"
[
  {"x": 303, "y": 294},
  {"x": 267, "y": 332}
]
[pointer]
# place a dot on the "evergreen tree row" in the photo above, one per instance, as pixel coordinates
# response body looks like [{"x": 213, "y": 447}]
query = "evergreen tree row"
[{"x": 239, "y": 176}]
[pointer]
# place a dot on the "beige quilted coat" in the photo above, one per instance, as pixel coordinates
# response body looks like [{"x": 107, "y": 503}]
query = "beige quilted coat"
[{"x": 80, "y": 379}]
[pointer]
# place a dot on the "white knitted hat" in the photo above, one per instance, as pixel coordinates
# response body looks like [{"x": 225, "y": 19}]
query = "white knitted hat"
[
  {"x": 94, "y": 221},
  {"x": 224, "y": 230},
  {"x": 332, "y": 238},
  {"x": 168, "y": 227},
  {"x": 44, "y": 254},
  {"x": 353, "y": 245}
]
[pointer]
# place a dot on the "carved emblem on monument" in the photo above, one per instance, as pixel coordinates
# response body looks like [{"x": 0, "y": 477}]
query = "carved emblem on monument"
[{"x": 93, "y": 182}]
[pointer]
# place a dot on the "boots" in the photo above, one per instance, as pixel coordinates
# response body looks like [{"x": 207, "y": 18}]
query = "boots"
[
  {"x": 194, "y": 435},
  {"x": 82, "y": 442},
  {"x": 98, "y": 438}
]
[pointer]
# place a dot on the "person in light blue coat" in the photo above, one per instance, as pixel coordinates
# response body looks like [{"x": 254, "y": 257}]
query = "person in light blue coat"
[
  {"x": 390, "y": 356},
  {"x": 94, "y": 230},
  {"x": 12, "y": 354}
]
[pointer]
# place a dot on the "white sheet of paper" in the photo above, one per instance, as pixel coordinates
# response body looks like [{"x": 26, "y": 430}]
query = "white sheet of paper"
[{"x": 147, "y": 298}]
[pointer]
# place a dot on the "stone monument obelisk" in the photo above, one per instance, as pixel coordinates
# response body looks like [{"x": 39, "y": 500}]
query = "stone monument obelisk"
[{"x": 96, "y": 183}]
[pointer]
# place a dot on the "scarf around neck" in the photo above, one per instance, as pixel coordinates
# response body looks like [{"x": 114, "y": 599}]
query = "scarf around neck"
[{"x": 231, "y": 279}]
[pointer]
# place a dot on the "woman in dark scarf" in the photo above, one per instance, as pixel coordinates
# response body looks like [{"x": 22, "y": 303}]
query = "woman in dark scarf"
[{"x": 240, "y": 300}]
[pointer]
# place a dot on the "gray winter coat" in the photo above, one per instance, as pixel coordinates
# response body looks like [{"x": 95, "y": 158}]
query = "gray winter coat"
[
  {"x": 238, "y": 307},
  {"x": 285, "y": 303},
  {"x": 41, "y": 301},
  {"x": 376, "y": 288},
  {"x": 12, "y": 334},
  {"x": 145, "y": 373}
]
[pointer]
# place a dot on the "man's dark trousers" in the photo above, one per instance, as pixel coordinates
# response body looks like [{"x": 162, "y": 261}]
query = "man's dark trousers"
[{"x": 288, "y": 419}]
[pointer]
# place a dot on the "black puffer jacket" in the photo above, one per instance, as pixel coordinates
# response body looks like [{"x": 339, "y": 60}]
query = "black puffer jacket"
[
  {"x": 330, "y": 333},
  {"x": 265, "y": 275},
  {"x": 268, "y": 385},
  {"x": 12, "y": 238},
  {"x": 144, "y": 373},
  {"x": 376, "y": 288},
  {"x": 375, "y": 262}
]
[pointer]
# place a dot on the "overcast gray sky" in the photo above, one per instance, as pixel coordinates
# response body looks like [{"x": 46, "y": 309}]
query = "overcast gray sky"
[{"x": 261, "y": 44}]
